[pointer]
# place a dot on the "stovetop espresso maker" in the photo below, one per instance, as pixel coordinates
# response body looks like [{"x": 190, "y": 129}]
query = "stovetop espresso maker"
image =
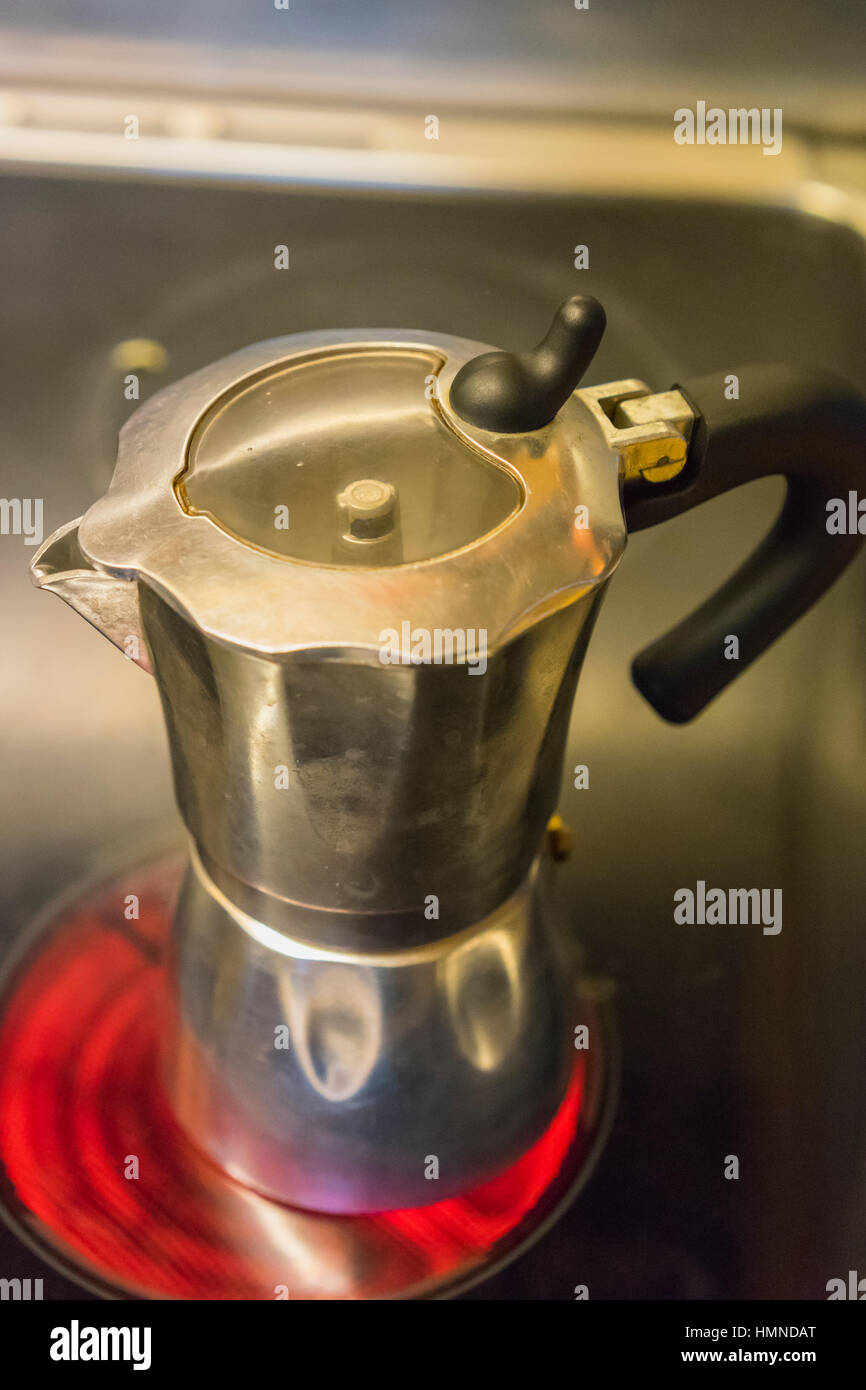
[{"x": 364, "y": 567}]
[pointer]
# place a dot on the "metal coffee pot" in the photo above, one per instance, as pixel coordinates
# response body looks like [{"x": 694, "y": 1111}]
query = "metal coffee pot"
[{"x": 364, "y": 567}]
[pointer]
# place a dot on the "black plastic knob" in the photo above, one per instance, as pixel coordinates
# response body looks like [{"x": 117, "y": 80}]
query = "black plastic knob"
[{"x": 514, "y": 392}]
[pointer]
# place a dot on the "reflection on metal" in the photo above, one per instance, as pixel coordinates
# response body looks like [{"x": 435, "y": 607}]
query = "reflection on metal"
[
  {"x": 485, "y": 994},
  {"x": 333, "y": 1014},
  {"x": 327, "y": 1077}
]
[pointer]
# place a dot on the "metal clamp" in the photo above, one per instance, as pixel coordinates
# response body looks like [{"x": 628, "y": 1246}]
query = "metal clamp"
[{"x": 650, "y": 432}]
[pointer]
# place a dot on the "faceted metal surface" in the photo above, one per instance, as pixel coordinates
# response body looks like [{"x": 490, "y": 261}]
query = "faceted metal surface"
[{"x": 394, "y": 915}]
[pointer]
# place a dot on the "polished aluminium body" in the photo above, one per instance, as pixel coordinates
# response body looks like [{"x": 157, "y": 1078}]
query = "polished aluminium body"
[{"x": 369, "y": 1011}]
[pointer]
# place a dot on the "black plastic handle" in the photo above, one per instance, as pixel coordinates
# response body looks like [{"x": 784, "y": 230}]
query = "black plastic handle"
[{"x": 810, "y": 428}]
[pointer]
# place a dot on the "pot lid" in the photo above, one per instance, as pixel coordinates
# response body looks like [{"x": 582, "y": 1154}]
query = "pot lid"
[{"x": 311, "y": 491}]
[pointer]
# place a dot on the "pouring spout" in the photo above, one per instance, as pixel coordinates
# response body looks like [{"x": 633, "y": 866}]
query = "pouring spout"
[{"x": 109, "y": 604}]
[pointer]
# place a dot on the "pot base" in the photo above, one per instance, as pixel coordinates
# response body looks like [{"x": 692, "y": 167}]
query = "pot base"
[{"x": 99, "y": 1178}]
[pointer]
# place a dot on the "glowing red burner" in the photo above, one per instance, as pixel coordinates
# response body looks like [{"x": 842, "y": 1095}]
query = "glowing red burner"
[{"x": 80, "y": 1100}]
